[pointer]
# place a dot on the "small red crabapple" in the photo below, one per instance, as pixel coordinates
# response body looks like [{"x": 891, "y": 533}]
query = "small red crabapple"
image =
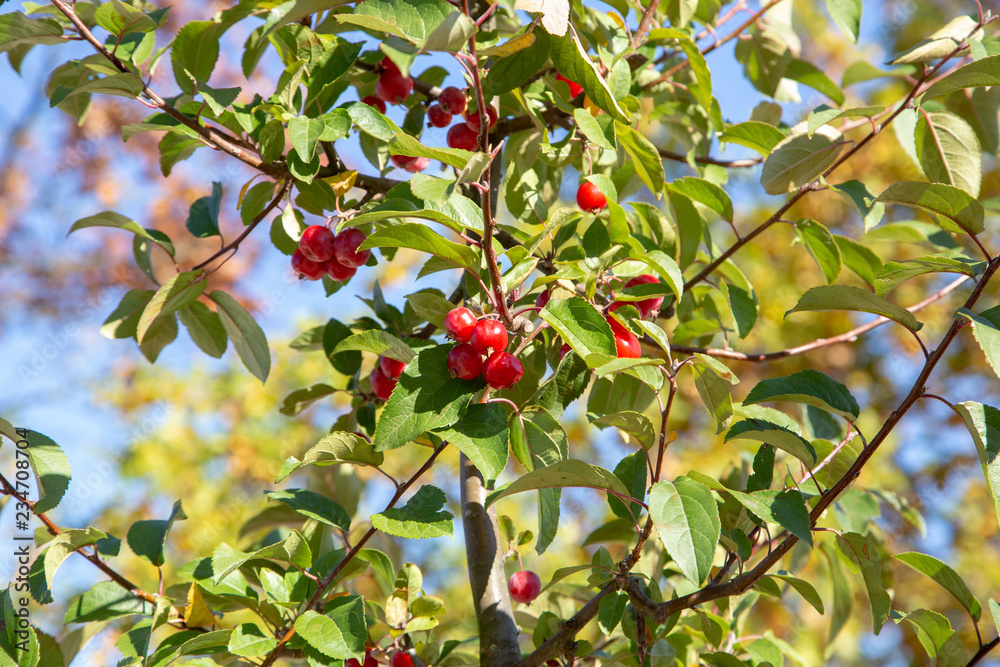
[
  {"x": 502, "y": 370},
  {"x": 345, "y": 248},
  {"x": 648, "y": 307},
  {"x": 627, "y": 345},
  {"x": 382, "y": 384},
  {"x": 473, "y": 121},
  {"x": 418, "y": 164},
  {"x": 337, "y": 271},
  {"x": 459, "y": 324},
  {"x": 401, "y": 161},
  {"x": 370, "y": 661},
  {"x": 524, "y": 586},
  {"x": 305, "y": 267},
  {"x": 387, "y": 66},
  {"x": 489, "y": 335},
  {"x": 574, "y": 88},
  {"x": 393, "y": 87},
  {"x": 464, "y": 362},
  {"x": 590, "y": 198},
  {"x": 391, "y": 367},
  {"x": 373, "y": 101},
  {"x": 564, "y": 350},
  {"x": 317, "y": 243},
  {"x": 438, "y": 117},
  {"x": 400, "y": 659},
  {"x": 542, "y": 299},
  {"x": 453, "y": 100},
  {"x": 460, "y": 136}
]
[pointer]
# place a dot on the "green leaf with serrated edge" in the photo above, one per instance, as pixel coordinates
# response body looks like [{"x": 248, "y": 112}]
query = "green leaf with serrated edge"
[
  {"x": 602, "y": 136},
  {"x": 564, "y": 386},
  {"x": 17, "y": 30},
  {"x": 645, "y": 158},
  {"x": 687, "y": 518},
  {"x": 65, "y": 543},
  {"x": 706, "y": 193},
  {"x": 949, "y": 151},
  {"x": 859, "y": 258},
  {"x": 293, "y": 550},
  {"x": 785, "y": 508},
  {"x": 404, "y": 144},
  {"x": 765, "y": 54},
  {"x": 203, "y": 216},
  {"x": 325, "y": 635},
  {"x": 808, "y": 74},
  {"x": 377, "y": 342},
  {"x": 118, "y": 18},
  {"x": 300, "y": 399},
  {"x": 119, "y": 85},
  {"x": 195, "y": 49},
  {"x": 631, "y": 470},
  {"x": 935, "y": 634},
  {"x": 995, "y": 611},
  {"x": 983, "y": 422},
  {"x": 821, "y": 245},
  {"x": 181, "y": 290},
  {"x": 702, "y": 90},
  {"x": 665, "y": 267},
  {"x": 313, "y": 505},
  {"x": 119, "y": 221},
  {"x": 893, "y": 274},
  {"x": 610, "y": 611},
  {"x": 247, "y": 336},
  {"x": 424, "y": 239},
  {"x": 482, "y": 436},
  {"x": 51, "y": 468},
  {"x": 304, "y": 133},
  {"x": 431, "y": 306},
  {"x": 848, "y": 297},
  {"x": 809, "y": 387},
  {"x": 982, "y": 72},
  {"x": 122, "y": 322},
  {"x": 421, "y": 517},
  {"x": 569, "y": 473},
  {"x": 859, "y": 551},
  {"x": 632, "y": 423},
  {"x": 104, "y": 601},
  {"x": 941, "y": 43},
  {"x": 986, "y": 330},
  {"x": 249, "y": 641},
  {"x": 715, "y": 394},
  {"x": 334, "y": 448},
  {"x": 580, "y": 325},
  {"x": 753, "y": 134},
  {"x": 415, "y": 21},
  {"x": 205, "y": 328},
  {"x": 847, "y": 15},
  {"x": 774, "y": 435},
  {"x": 571, "y": 60},
  {"x": 804, "y": 588},
  {"x": 426, "y": 397},
  {"x": 512, "y": 71},
  {"x": 515, "y": 277},
  {"x": 946, "y": 577},
  {"x": 955, "y": 210},
  {"x": 799, "y": 159},
  {"x": 146, "y": 538}
]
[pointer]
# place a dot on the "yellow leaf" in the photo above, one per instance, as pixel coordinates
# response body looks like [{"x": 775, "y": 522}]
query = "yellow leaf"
[
  {"x": 617, "y": 19},
  {"x": 671, "y": 436},
  {"x": 510, "y": 47},
  {"x": 591, "y": 107},
  {"x": 243, "y": 191},
  {"x": 196, "y": 613},
  {"x": 342, "y": 183}
]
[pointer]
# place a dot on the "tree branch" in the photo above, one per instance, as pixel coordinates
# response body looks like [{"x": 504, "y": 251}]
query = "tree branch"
[{"x": 232, "y": 246}]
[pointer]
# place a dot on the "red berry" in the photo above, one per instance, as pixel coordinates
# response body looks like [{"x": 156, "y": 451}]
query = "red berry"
[
  {"x": 401, "y": 161},
  {"x": 453, "y": 100},
  {"x": 627, "y": 345},
  {"x": 464, "y": 362},
  {"x": 542, "y": 299},
  {"x": 459, "y": 324},
  {"x": 317, "y": 243},
  {"x": 574, "y": 88},
  {"x": 502, "y": 370},
  {"x": 400, "y": 659},
  {"x": 388, "y": 66},
  {"x": 373, "y": 101},
  {"x": 590, "y": 198},
  {"x": 564, "y": 350},
  {"x": 338, "y": 272},
  {"x": 369, "y": 660},
  {"x": 391, "y": 367},
  {"x": 473, "y": 121},
  {"x": 345, "y": 248},
  {"x": 616, "y": 326},
  {"x": 418, "y": 164},
  {"x": 438, "y": 117},
  {"x": 305, "y": 267},
  {"x": 648, "y": 307},
  {"x": 489, "y": 335},
  {"x": 381, "y": 383},
  {"x": 393, "y": 87},
  {"x": 460, "y": 136},
  {"x": 524, "y": 586}
]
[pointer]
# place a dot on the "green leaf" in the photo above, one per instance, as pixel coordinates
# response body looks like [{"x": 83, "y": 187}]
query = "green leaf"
[
  {"x": 645, "y": 158},
  {"x": 949, "y": 151},
  {"x": 104, "y": 601},
  {"x": 631, "y": 470},
  {"x": 423, "y": 238},
  {"x": 404, "y": 144},
  {"x": 217, "y": 98},
  {"x": 313, "y": 505},
  {"x": 431, "y": 306},
  {"x": 118, "y": 18},
  {"x": 848, "y": 297},
  {"x": 702, "y": 90},
  {"x": 687, "y": 517},
  {"x": 162, "y": 333},
  {"x": 51, "y": 468},
  {"x": 859, "y": 258},
  {"x": 293, "y": 550},
  {"x": 146, "y": 538},
  {"x": 982, "y": 72},
  {"x": 941, "y": 43},
  {"x": 753, "y": 134},
  {"x": 247, "y": 336},
  {"x": 378, "y": 342},
  {"x": 765, "y": 56},
  {"x": 482, "y": 436},
  {"x": 421, "y": 517},
  {"x": 416, "y": 21},
  {"x": 962, "y": 213},
  {"x": 707, "y": 193},
  {"x": 785, "y": 508},
  {"x": 895, "y": 273},
  {"x": 512, "y": 71},
  {"x": 203, "y": 216},
  {"x": 180, "y": 291},
  {"x": 17, "y": 31},
  {"x": 249, "y": 641},
  {"x": 426, "y": 398},
  {"x": 326, "y": 636},
  {"x": 983, "y": 422},
  {"x": 300, "y": 399},
  {"x": 934, "y": 632},
  {"x": 195, "y": 49},
  {"x": 631, "y": 423},
  {"x": 205, "y": 328},
  {"x": 821, "y": 245},
  {"x": 808, "y": 74},
  {"x": 62, "y": 545},
  {"x": 986, "y": 329},
  {"x": 124, "y": 84},
  {"x": 571, "y": 60},
  {"x": 995, "y": 611},
  {"x": 774, "y": 435},
  {"x": 860, "y": 552},
  {"x": 580, "y": 325},
  {"x": 804, "y": 588},
  {"x": 847, "y": 15},
  {"x": 946, "y": 577},
  {"x": 807, "y": 387},
  {"x": 119, "y": 221},
  {"x": 562, "y": 474},
  {"x": 665, "y": 267},
  {"x": 715, "y": 394},
  {"x": 610, "y": 611},
  {"x": 334, "y": 448},
  {"x": 799, "y": 159}
]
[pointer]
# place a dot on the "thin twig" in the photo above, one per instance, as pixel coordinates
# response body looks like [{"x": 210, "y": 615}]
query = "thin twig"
[{"x": 250, "y": 227}]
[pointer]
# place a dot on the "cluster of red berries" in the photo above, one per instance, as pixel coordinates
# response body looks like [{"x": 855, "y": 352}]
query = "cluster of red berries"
[
  {"x": 524, "y": 586},
  {"x": 385, "y": 375},
  {"x": 453, "y": 102},
  {"x": 322, "y": 252},
  {"x": 501, "y": 370}
]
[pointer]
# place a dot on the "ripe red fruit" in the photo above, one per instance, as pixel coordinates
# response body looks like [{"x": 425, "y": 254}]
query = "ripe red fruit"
[
  {"x": 616, "y": 326},
  {"x": 418, "y": 164},
  {"x": 590, "y": 198},
  {"x": 489, "y": 335},
  {"x": 388, "y": 66},
  {"x": 460, "y": 136},
  {"x": 305, "y": 267},
  {"x": 393, "y": 87},
  {"x": 391, "y": 367},
  {"x": 401, "y": 161},
  {"x": 627, "y": 345},
  {"x": 373, "y": 101},
  {"x": 648, "y": 307},
  {"x": 381, "y": 383},
  {"x": 574, "y": 88},
  {"x": 453, "y": 100},
  {"x": 472, "y": 118},
  {"x": 542, "y": 299},
  {"x": 464, "y": 362},
  {"x": 524, "y": 586},
  {"x": 345, "y": 248},
  {"x": 337, "y": 271},
  {"x": 369, "y": 660},
  {"x": 317, "y": 243},
  {"x": 400, "y": 659},
  {"x": 564, "y": 350},
  {"x": 502, "y": 370},
  {"x": 459, "y": 324},
  {"x": 438, "y": 117}
]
